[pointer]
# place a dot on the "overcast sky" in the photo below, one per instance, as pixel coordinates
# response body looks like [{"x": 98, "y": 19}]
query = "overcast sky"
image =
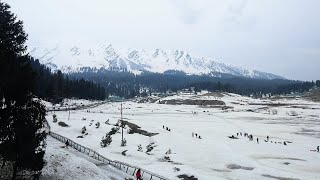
[{"x": 277, "y": 36}]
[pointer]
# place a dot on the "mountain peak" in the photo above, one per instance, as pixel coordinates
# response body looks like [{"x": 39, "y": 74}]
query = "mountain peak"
[{"x": 135, "y": 60}]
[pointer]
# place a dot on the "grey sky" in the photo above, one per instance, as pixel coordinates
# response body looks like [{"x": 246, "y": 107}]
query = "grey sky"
[{"x": 277, "y": 36}]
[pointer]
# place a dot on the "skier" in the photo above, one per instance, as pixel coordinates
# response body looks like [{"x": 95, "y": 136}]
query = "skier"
[
  {"x": 318, "y": 148},
  {"x": 267, "y": 138},
  {"x": 138, "y": 175},
  {"x": 240, "y": 133},
  {"x": 257, "y": 140},
  {"x": 196, "y": 135},
  {"x": 192, "y": 134},
  {"x": 237, "y": 134},
  {"x": 163, "y": 126},
  {"x": 284, "y": 143}
]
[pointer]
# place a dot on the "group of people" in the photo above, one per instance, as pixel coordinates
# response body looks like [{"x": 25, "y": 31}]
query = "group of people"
[
  {"x": 250, "y": 137},
  {"x": 196, "y": 135},
  {"x": 168, "y": 129}
]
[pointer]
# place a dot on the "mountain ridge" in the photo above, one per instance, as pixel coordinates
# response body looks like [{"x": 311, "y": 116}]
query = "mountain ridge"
[{"x": 75, "y": 59}]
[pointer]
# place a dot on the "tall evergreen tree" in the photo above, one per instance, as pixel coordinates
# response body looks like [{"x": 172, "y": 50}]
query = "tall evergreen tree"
[{"x": 21, "y": 116}]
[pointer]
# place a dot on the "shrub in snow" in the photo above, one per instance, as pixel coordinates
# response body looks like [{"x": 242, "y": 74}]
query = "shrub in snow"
[
  {"x": 113, "y": 131},
  {"x": 274, "y": 111},
  {"x": 140, "y": 148},
  {"x": 167, "y": 158},
  {"x": 63, "y": 124},
  {"x": 106, "y": 141},
  {"x": 55, "y": 119},
  {"x": 97, "y": 124},
  {"x": 124, "y": 152},
  {"x": 107, "y": 121},
  {"x": 83, "y": 119},
  {"x": 150, "y": 147},
  {"x": 130, "y": 131},
  {"x": 176, "y": 169},
  {"x": 293, "y": 113},
  {"x": 84, "y": 129},
  {"x": 169, "y": 151},
  {"x": 124, "y": 142}
]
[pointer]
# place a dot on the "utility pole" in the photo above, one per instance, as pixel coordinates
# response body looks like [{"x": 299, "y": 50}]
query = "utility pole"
[
  {"x": 121, "y": 122},
  {"x": 69, "y": 112}
]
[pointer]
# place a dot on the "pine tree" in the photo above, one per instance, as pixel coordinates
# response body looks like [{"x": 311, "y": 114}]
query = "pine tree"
[{"x": 21, "y": 116}]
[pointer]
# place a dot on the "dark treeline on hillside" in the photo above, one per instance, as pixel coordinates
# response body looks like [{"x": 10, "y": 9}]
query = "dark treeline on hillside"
[
  {"x": 128, "y": 85},
  {"x": 55, "y": 86}
]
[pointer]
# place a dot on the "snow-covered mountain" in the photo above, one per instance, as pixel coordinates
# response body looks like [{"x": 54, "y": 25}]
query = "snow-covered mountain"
[{"x": 75, "y": 58}]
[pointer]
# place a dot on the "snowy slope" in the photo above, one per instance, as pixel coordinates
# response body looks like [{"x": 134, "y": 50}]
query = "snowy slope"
[
  {"x": 75, "y": 59},
  {"x": 67, "y": 163},
  {"x": 215, "y": 156}
]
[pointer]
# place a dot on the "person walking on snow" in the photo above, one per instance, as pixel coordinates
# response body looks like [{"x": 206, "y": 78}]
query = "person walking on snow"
[
  {"x": 67, "y": 144},
  {"x": 318, "y": 148},
  {"x": 138, "y": 175}
]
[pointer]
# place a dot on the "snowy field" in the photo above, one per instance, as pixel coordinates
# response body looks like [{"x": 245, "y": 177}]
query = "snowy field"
[{"x": 214, "y": 156}]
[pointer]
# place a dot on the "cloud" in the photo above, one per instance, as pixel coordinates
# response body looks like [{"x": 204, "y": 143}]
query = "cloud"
[
  {"x": 188, "y": 13},
  {"x": 235, "y": 11}
]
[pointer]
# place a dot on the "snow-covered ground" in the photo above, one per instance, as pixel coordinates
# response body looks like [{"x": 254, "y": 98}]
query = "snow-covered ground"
[
  {"x": 215, "y": 156},
  {"x": 67, "y": 163}
]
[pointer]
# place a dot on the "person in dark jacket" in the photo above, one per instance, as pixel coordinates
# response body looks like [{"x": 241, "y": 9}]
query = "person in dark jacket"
[
  {"x": 138, "y": 175},
  {"x": 318, "y": 148},
  {"x": 67, "y": 143}
]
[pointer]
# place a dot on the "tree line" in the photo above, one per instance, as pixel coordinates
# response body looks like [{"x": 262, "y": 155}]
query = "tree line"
[
  {"x": 54, "y": 86},
  {"x": 128, "y": 85}
]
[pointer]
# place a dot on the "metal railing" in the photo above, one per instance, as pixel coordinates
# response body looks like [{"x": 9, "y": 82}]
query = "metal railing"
[{"x": 127, "y": 168}]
